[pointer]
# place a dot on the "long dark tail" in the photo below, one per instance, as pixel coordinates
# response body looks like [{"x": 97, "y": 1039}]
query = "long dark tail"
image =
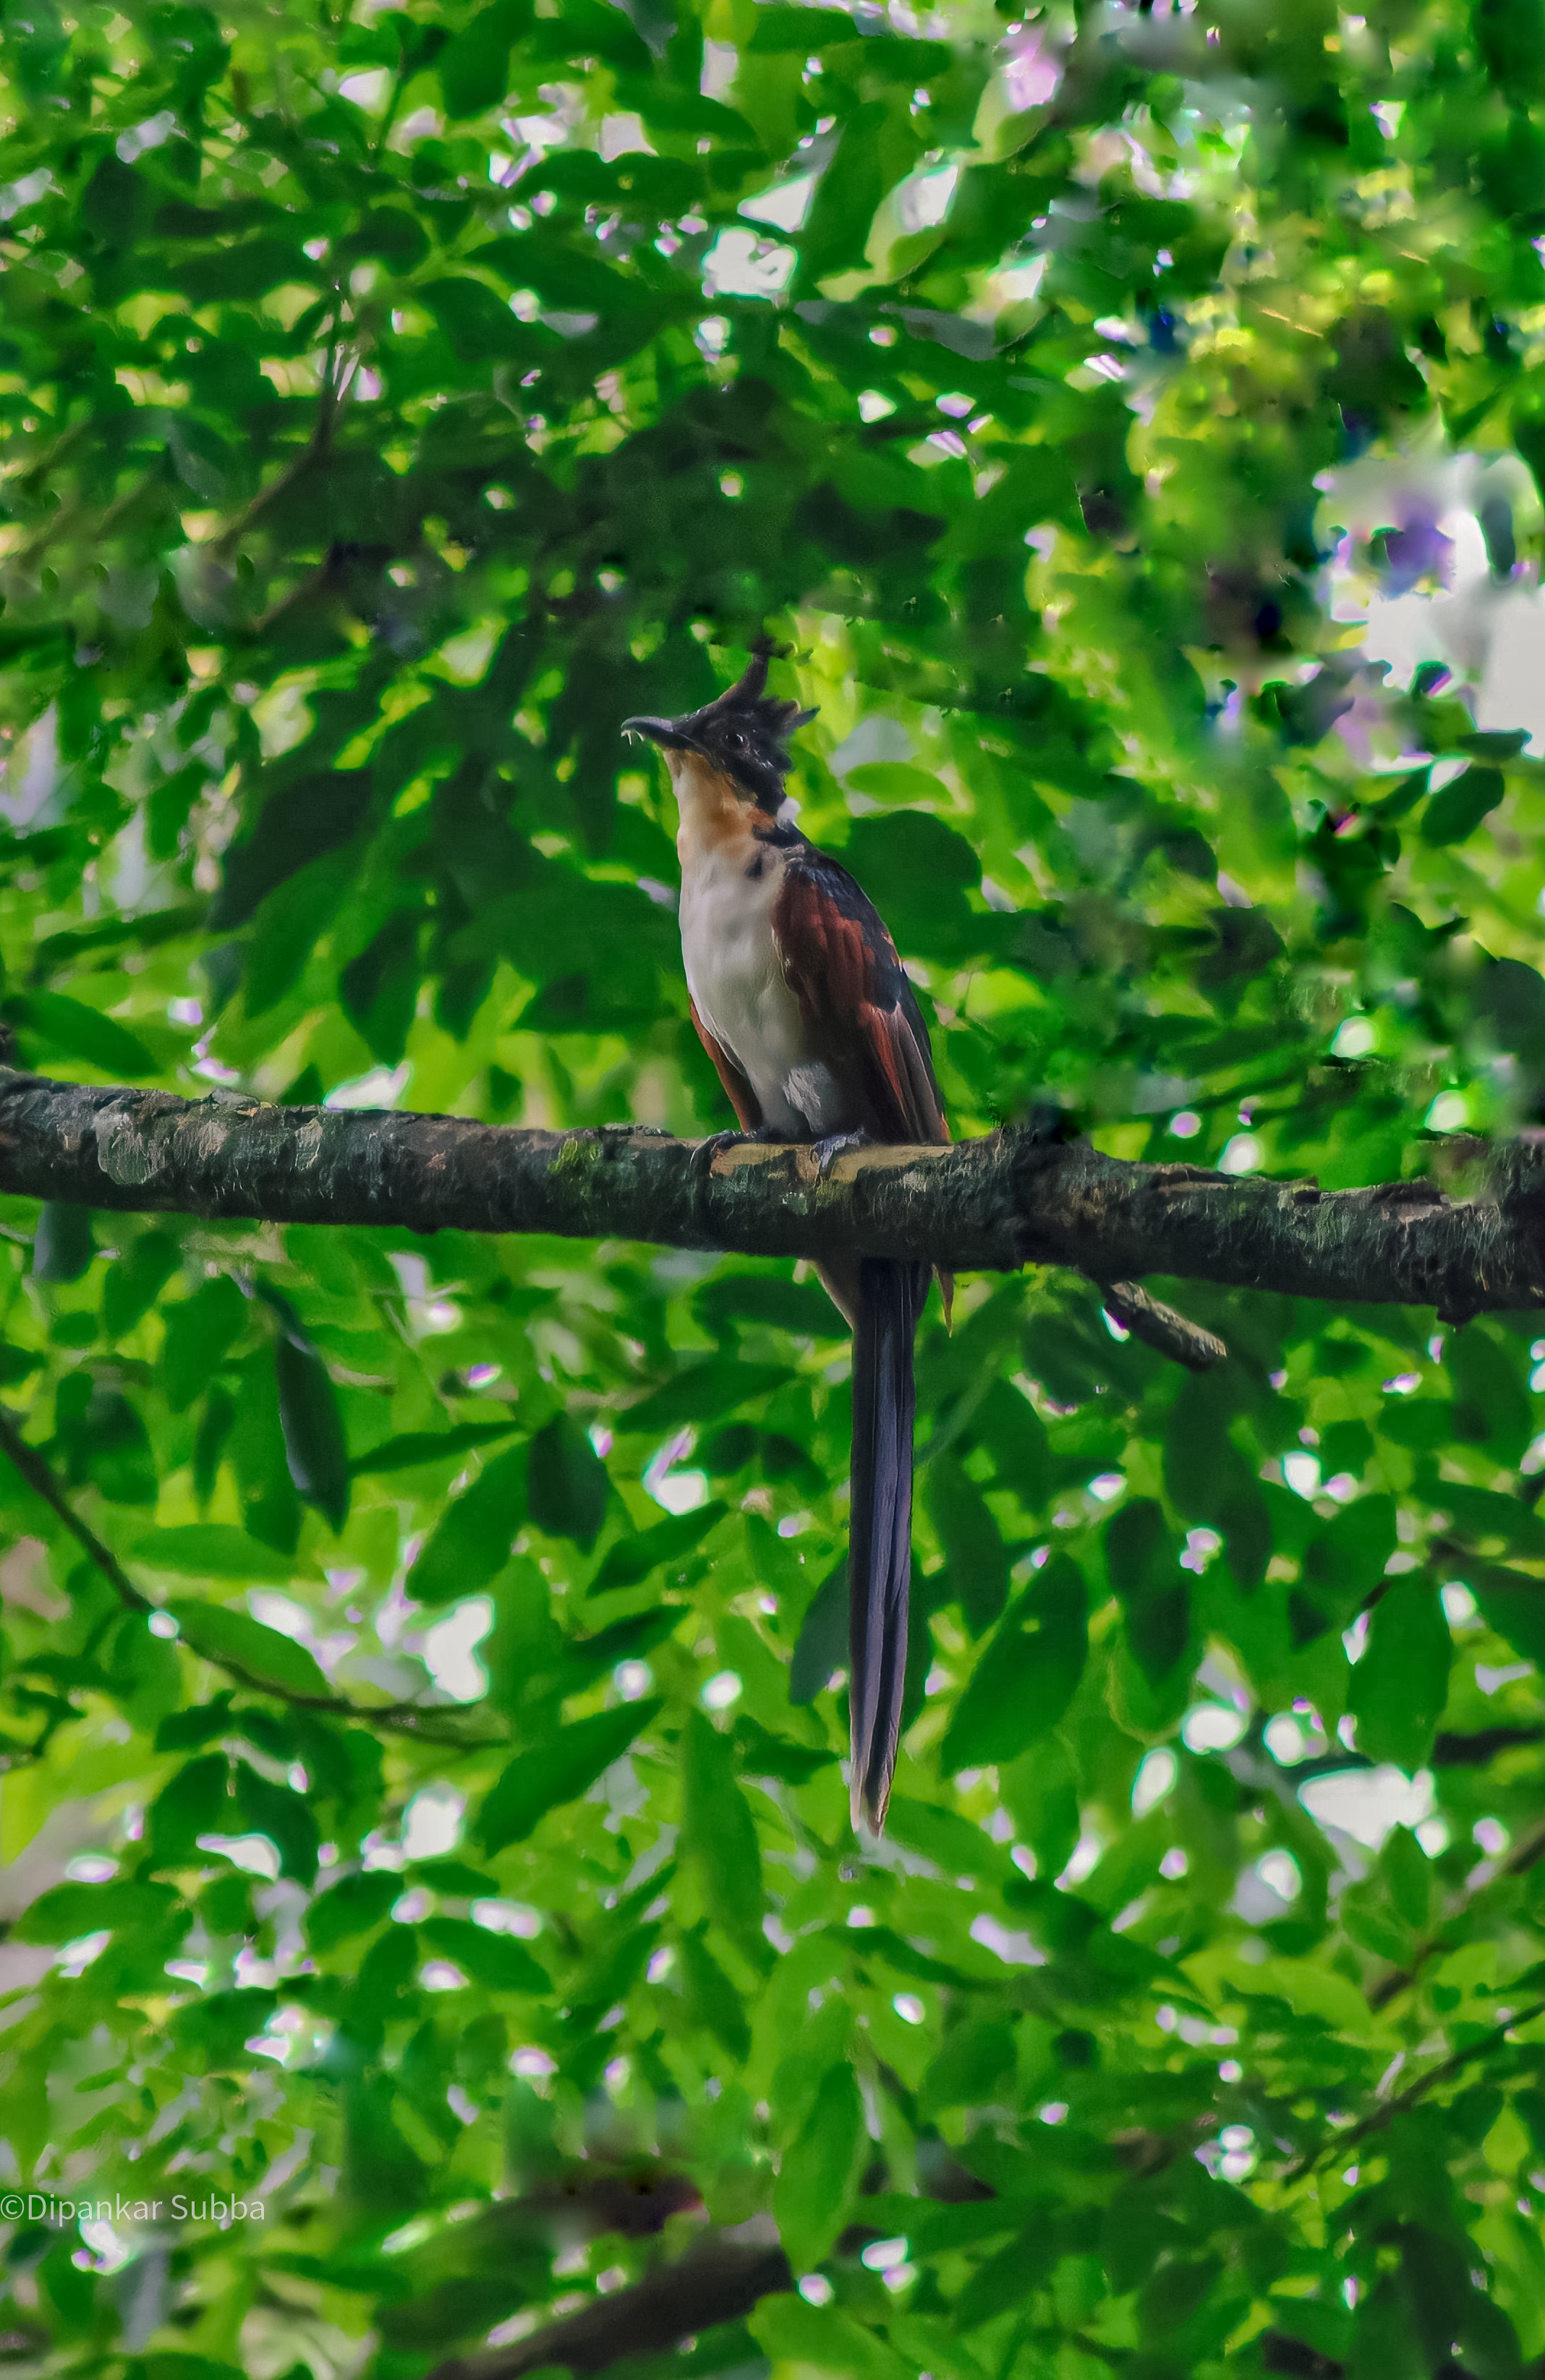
[{"x": 889, "y": 1302}]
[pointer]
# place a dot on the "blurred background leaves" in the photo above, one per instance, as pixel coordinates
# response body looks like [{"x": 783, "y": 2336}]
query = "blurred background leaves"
[{"x": 1130, "y": 419}]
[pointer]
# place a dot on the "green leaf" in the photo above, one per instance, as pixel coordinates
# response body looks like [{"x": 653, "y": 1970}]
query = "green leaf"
[
  {"x": 355, "y": 1905},
  {"x": 1143, "y": 1561},
  {"x": 1495, "y": 744},
  {"x": 1040, "y": 1792},
  {"x": 702, "y": 1393},
  {"x": 1400, "y": 1686},
  {"x": 823, "y": 2339},
  {"x": 63, "y": 1245},
  {"x": 953, "y": 1843},
  {"x": 136, "y": 1280},
  {"x": 1491, "y": 1406},
  {"x": 1512, "y": 1602},
  {"x": 632, "y": 1559},
  {"x": 1408, "y": 1873},
  {"x": 116, "y": 1449},
  {"x": 821, "y": 1649},
  {"x": 315, "y": 1444},
  {"x": 80, "y": 1032},
  {"x": 718, "y": 1833},
  {"x": 68, "y": 1911},
  {"x": 970, "y": 2069},
  {"x": 200, "y": 1331},
  {"x": 449, "y": 1875},
  {"x": 222, "y": 1634},
  {"x": 169, "y": 2366},
  {"x": 211, "y": 2033},
  {"x": 977, "y": 1560},
  {"x": 559, "y": 1770},
  {"x": 712, "y": 1999},
  {"x": 1344, "y": 1560},
  {"x": 18, "y": 1362},
  {"x": 471, "y": 1541},
  {"x": 285, "y": 1818},
  {"x": 477, "y": 329},
  {"x": 1037, "y": 486},
  {"x": 1404, "y": 796},
  {"x": 248, "y": 270},
  {"x": 1312, "y": 1991},
  {"x": 798, "y": 28},
  {"x": 781, "y": 1305},
  {"x": 1028, "y": 1674},
  {"x": 894, "y": 781},
  {"x": 819, "y": 2170},
  {"x": 379, "y": 989},
  {"x": 412, "y": 1447},
  {"x": 392, "y": 233},
  {"x": 1454, "y": 814},
  {"x": 195, "y": 1802},
  {"x": 1207, "y": 1479},
  {"x": 474, "y": 66},
  {"x": 491, "y": 1960},
  {"x": 566, "y": 1483},
  {"x": 916, "y": 870},
  {"x": 270, "y": 1507},
  {"x": 285, "y": 931},
  {"x": 177, "y": 2366},
  {"x": 189, "y": 1730},
  {"x": 1481, "y": 1513},
  {"x": 211, "y": 1550},
  {"x": 144, "y": 1671}
]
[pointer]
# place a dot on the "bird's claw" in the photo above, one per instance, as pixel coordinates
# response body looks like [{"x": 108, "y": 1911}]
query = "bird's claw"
[
  {"x": 825, "y": 1152},
  {"x": 837, "y": 1144},
  {"x": 701, "y": 1160}
]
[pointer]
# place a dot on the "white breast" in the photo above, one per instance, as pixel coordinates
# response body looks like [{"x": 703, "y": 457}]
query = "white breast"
[
  {"x": 735, "y": 976},
  {"x": 730, "y": 883}
]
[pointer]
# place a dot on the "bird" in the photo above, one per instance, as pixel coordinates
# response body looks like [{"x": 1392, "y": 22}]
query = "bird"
[{"x": 801, "y": 999}]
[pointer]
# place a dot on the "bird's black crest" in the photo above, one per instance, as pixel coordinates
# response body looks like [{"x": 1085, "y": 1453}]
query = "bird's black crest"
[{"x": 745, "y": 730}]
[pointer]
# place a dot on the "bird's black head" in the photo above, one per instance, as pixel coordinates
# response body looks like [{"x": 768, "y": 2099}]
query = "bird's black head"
[{"x": 743, "y": 733}]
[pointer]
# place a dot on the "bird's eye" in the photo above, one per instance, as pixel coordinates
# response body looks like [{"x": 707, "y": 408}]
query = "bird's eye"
[{"x": 736, "y": 740}]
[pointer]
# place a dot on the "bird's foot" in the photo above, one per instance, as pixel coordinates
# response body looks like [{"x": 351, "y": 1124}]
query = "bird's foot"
[
  {"x": 701, "y": 1160},
  {"x": 835, "y": 1145}
]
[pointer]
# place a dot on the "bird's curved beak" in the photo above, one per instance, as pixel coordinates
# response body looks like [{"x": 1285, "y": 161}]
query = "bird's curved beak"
[{"x": 664, "y": 732}]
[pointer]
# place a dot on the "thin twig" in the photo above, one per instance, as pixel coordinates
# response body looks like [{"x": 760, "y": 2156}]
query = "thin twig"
[
  {"x": 316, "y": 447},
  {"x": 379, "y": 143},
  {"x": 41, "y": 1479},
  {"x": 1522, "y": 1857},
  {"x": 403, "y": 1719},
  {"x": 1160, "y": 1326},
  {"x": 1443, "y": 2071}
]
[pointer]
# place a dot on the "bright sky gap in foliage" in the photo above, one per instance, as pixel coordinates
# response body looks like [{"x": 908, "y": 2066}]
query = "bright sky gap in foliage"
[{"x": 428, "y": 1924}]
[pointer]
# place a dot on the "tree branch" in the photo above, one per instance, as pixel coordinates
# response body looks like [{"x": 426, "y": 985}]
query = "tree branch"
[
  {"x": 990, "y": 1205},
  {"x": 718, "y": 2280},
  {"x": 1128, "y": 1303}
]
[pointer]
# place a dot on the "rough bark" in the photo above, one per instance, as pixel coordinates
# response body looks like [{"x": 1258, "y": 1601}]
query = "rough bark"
[{"x": 988, "y": 1204}]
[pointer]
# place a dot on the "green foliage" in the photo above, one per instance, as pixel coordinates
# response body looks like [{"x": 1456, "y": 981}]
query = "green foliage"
[
  {"x": 1134, "y": 420},
  {"x": 1028, "y": 1674},
  {"x": 556, "y": 1771}
]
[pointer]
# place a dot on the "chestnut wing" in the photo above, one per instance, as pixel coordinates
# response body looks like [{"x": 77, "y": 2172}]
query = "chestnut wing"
[
  {"x": 858, "y": 1005},
  {"x": 742, "y": 1098}
]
